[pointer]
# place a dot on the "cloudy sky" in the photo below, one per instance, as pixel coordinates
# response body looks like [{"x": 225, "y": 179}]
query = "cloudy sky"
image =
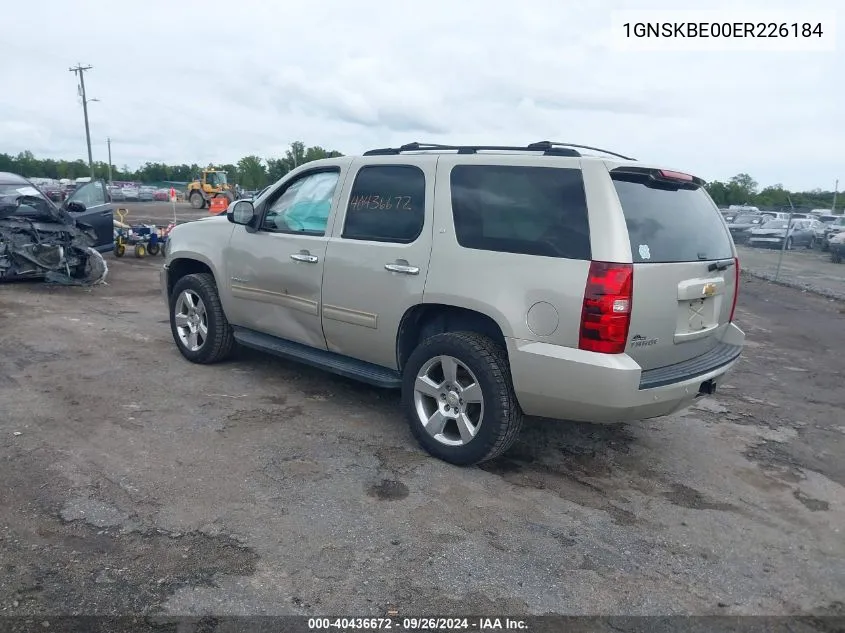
[{"x": 211, "y": 81}]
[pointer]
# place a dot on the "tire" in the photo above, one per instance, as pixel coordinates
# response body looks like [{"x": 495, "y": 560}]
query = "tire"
[
  {"x": 197, "y": 200},
  {"x": 140, "y": 251},
  {"x": 154, "y": 249},
  {"x": 119, "y": 250},
  {"x": 789, "y": 243},
  {"x": 219, "y": 341},
  {"x": 499, "y": 417}
]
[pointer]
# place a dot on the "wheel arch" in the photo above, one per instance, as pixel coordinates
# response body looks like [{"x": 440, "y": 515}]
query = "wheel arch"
[
  {"x": 180, "y": 267},
  {"x": 427, "y": 319}
]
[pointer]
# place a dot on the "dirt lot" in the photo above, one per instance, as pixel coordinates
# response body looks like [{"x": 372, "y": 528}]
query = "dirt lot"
[
  {"x": 159, "y": 213},
  {"x": 134, "y": 482}
]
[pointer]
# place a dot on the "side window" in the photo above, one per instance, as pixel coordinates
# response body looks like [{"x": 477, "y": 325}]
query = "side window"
[
  {"x": 91, "y": 194},
  {"x": 387, "y": 204},
  {"x": 304, "y": 205},
  {"x": 527, "y": 210}
]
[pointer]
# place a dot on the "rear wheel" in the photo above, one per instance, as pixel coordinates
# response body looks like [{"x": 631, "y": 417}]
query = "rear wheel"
[
  {"x": 154, "y": 249},
  {"x": 197, "y": 321},
  {"x": 197, "y": 200},
  {"x": 140, "y": 250},
  {"x": 119, "y": 250},
  {"x": 459, "y": 400}
]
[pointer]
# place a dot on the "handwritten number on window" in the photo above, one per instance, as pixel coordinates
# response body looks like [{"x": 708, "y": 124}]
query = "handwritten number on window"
[{"x": 375, "y": 202}]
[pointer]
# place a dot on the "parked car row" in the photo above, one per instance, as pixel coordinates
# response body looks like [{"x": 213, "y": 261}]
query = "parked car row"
[
  {"x": 133, "y": 193},
  {"x": 783, "y": 230}
]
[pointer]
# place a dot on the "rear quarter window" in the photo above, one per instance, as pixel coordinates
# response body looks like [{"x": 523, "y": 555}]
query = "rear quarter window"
[
  {"x": 671, "y": 223},
  {"x": 515, "y": 209}
]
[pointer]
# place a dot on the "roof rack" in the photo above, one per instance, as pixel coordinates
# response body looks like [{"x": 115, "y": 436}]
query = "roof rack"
[
  {"x": 544, "y": 145},
  {"x": 548, "y": 149}
]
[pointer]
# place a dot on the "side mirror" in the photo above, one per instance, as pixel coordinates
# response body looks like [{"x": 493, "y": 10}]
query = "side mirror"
[
  {"x": 241, "y": 212},
  {"x": 75, "y": 207}
]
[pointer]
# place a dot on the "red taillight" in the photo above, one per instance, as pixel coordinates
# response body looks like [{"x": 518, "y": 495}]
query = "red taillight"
[
  {"x": 674, "y": 175},
  {"x": 736, "y": 287},
  {"x": 606, "y": 313}
]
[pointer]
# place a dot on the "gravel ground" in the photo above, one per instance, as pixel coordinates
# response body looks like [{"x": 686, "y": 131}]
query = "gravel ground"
[
  {"x": 159, "y": 213},
  {"x": 132, "y": 482}
]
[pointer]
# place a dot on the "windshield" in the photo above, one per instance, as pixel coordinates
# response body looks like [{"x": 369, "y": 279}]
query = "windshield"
[
  {"x": 840, "y": 221},
  {"x": 217, "y": 178},
  {"x": 775, "y": 224},
  {"x": 828, "y": 218},
  {"x": 22, "y": 199}
]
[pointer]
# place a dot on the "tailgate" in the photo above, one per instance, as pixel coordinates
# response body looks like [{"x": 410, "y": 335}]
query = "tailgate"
[{"x": 685, "y": 271}]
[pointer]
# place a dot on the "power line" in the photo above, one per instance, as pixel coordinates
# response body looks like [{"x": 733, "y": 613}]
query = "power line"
[{"x": 79, "y": 71}]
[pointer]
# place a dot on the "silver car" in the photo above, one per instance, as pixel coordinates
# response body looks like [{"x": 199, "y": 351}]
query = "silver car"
[
  {"x": 485, "y": 283},
  {"x": 783, "y": 234}
]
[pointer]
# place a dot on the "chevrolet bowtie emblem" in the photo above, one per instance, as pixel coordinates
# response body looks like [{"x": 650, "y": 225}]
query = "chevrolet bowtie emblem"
[{"x": 709, "y": 290}]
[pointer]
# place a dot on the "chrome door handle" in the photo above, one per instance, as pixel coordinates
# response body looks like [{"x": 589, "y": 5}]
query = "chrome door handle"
[
  {"x": 304, "y": 257},
  {"x": 402, "y": 268}
]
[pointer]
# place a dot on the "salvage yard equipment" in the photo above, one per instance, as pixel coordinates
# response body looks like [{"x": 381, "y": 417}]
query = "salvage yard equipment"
[
  {"x": 144, "y": 238},
  {"x": 211, "y": 184}
]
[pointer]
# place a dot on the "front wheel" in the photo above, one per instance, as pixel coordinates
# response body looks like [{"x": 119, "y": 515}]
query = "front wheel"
[
  {"x": 197, "y": 200},
  {"x": 459, "y": 399},
  {"x": 197, "y": 321}
]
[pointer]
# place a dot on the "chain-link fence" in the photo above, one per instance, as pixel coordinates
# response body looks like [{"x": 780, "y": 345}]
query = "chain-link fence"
[{"x": 803, "y": 250}]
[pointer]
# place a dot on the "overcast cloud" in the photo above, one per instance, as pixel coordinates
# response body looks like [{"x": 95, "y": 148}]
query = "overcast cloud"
[{"x": 212, "y": 81}]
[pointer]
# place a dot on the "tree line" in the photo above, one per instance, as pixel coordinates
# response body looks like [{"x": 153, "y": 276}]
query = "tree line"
[
  {"x": 743, "y": 189},
  {"x": 254, "y": 172},
  {"x": 250, "y": 172}
]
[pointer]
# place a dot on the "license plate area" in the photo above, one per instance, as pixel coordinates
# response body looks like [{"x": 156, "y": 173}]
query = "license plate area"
[{"x": 697, "y": 318}]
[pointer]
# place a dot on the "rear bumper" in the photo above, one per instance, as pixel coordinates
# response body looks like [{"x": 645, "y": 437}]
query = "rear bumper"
[
  {"x": 570, "y": 384},
  {"x": 765, "y": 241}
]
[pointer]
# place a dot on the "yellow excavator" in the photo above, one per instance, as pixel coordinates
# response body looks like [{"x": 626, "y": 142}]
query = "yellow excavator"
[{"x": 210, "y": 184}]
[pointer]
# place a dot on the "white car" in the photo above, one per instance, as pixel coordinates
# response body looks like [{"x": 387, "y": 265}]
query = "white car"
[{"x": 131, "y": 192}]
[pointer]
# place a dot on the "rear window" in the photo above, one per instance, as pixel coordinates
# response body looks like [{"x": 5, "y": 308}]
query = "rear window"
[
  {"x": 667, "y": 223},
  {"x": 528, "y": 210}
]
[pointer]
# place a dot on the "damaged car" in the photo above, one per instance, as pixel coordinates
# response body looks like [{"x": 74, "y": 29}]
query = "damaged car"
[{"x": 61, "y": 244}]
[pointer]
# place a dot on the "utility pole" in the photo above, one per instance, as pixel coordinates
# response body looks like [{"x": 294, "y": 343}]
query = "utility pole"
[
  {"x": 835, "y": 191},
  {"x": 79, "y": 71},
  {"x": 108, "y": 142}
]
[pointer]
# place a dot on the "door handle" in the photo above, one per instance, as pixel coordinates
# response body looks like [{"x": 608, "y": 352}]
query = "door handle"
[
  {"x": 402, "y": 268},
  {"x": 305, "y": 257}
]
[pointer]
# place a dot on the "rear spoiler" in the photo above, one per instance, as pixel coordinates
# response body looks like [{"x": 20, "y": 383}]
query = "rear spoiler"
[{"x": 659, "y": 175}]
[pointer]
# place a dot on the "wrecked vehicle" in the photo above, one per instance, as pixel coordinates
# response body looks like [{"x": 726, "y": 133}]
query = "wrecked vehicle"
[{"x": 61, "y": 244}]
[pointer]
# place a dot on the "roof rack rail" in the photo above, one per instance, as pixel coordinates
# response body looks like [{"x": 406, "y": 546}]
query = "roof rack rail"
[
  {"x": 548, "y": 150},
  {"x": 553, "y": 144}
]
